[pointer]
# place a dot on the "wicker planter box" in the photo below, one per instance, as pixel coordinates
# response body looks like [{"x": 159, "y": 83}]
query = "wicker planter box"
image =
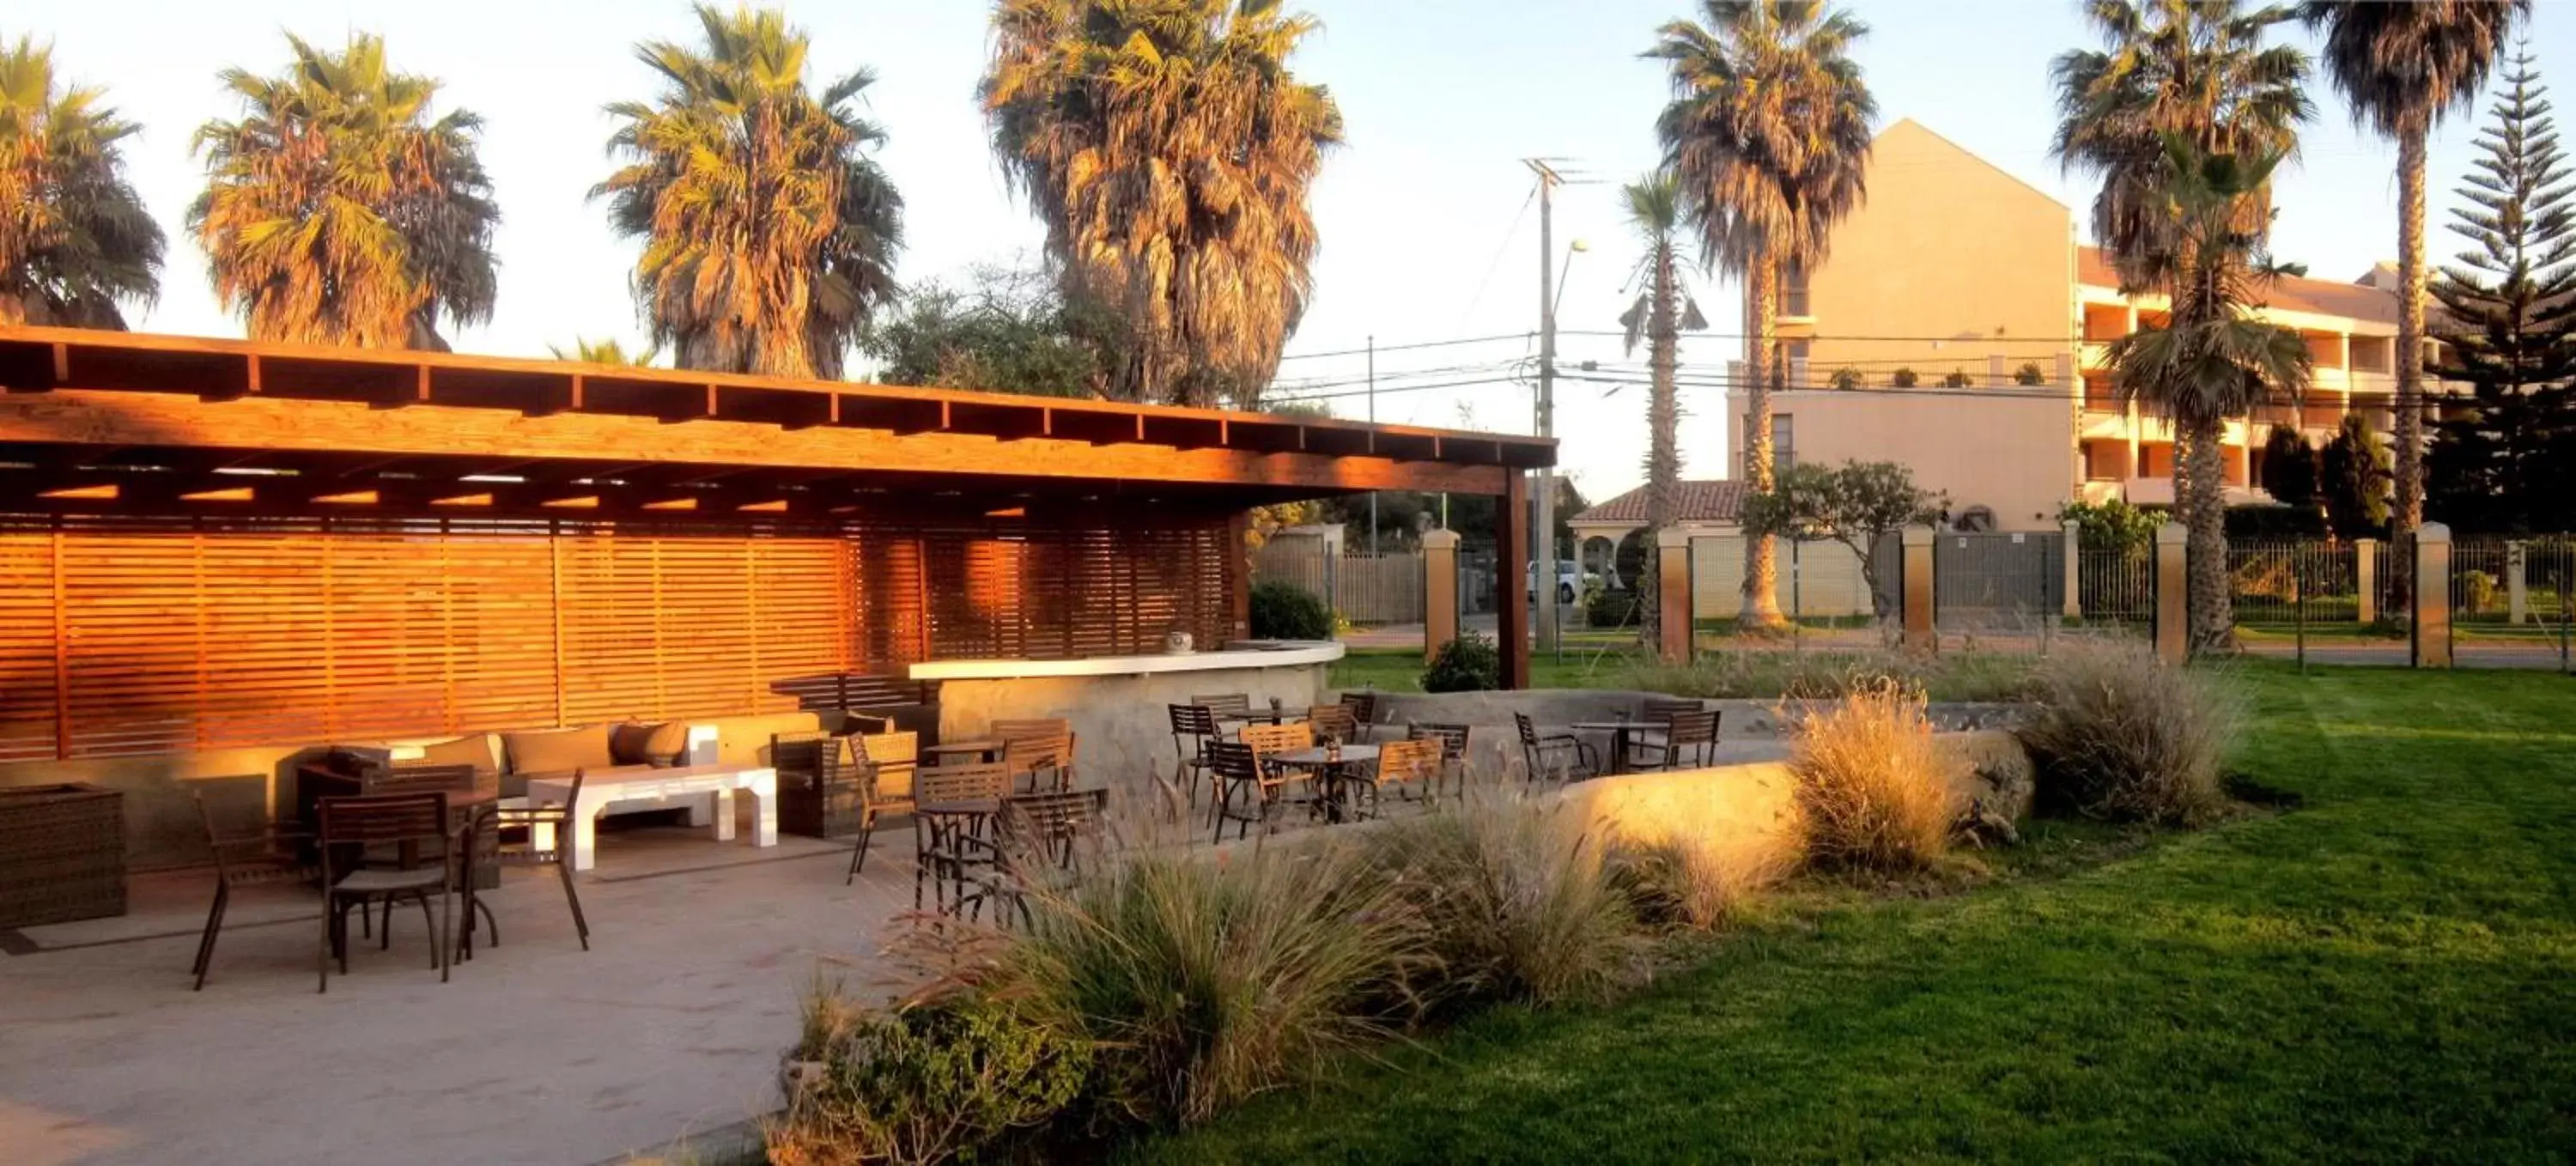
[{"x": 62, "y": 854}]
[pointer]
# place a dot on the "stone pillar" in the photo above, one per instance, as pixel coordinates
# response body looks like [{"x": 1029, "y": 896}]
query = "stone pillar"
[
  {"x": 1915, "y": 579},
  {"x": 1439, "y": 590},
  {"x": 2517, "y": 596},
  {"x": 2074, "y": 606},
  {"x": 1673, "y": 593},
  {"x": 2365, "y": 566},
  {"x": 2173, "y": 591},
  {"x": 2432, "y": 622}
]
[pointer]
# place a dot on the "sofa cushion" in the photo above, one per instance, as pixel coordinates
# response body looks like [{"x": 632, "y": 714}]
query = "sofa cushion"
[
  {"x": 473, "y": 749},
  {"x": 558, "y": 750},
  {"x": 642, "y": 743}
]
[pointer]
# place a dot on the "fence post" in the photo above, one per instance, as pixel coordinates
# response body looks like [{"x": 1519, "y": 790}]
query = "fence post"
[
  {"x": 2074, "y": 605},
  {"x": 1915, "y": 573},
  {"x": 1439, "y": 590},
  {"x": 2365, "y": 577},
  {"x": 2173, "y": 590},
  {"x": 2517, "y": 596},
  {"x": 2432, "y": 622},
  {"x": 1673, "y": 594}
]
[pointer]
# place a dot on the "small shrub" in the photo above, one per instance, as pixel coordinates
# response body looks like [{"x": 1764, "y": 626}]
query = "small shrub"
[
  {"x": 2479, "y": 592},
  {"x": 1514, "y": 904},
  {"x": 2118, "y": 735},
  {"x": 1470, "y": 663},
  {"x": 1904, "y": 378},
  {"x": 921, "y": 1083},
  {"x": 1845, "y": 379},
  {"x": 1876, "y": 791},
  {"x": 1282, "y": 610},
  {"x": 1203, "y": 982},
  {"x": 1605, "y": 608},
  {"x": 1687, "y": 882},
  {"x": 2030, "y": 374},
  {"x": 1957, "y": 379}
]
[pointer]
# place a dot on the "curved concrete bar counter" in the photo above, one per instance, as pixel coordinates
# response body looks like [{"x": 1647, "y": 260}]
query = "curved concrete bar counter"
[{"x": 1119, "y": 704}]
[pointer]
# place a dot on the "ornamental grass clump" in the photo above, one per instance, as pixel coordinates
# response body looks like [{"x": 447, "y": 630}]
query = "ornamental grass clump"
[
  {"x": 2121, "y": 736},
  {"x": 1876, "y": 791},
  {"x": 1201, "y": 982},
  {"x": 1693, "y": 883},
  {"x": 1515, "y": 903}
]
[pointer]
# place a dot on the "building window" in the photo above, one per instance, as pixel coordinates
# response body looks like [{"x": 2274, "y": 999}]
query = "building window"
[
  {"x": 1784, "y": 443},
  {"x": 1793, "y": 291}
]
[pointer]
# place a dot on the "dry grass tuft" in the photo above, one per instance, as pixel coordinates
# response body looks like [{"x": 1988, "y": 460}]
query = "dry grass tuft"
[
  {"x": 1873, "y": 786},
  {"x": 2119, "y": 735},
  {"x": 1515, "y": 902},
  {"x": 1694, "y": 883}
]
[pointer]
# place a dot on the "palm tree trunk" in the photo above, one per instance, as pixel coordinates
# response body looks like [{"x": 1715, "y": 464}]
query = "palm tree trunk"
[
  {"x": 2407, "y": 511},
  {"x": 2210, "y": 618},
  {"x": 1761, "y": 611},
  {"x": 1663, "y": 456}
]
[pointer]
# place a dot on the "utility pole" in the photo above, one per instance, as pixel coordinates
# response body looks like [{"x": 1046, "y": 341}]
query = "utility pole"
[
  {"x": 1544, "y": 585},
  {"x": 1372, "y": 407}
]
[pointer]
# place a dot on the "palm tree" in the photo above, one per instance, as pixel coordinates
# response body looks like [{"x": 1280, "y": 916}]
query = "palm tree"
[
  {"x": 74, "y": 237},
  {"x": 1767, "y": 135},
  {"x": 2211, "y": 359},
  {"x": 1168, "y": 148},
  {"x": 769, "y": 233},
  {"x": 2191, "y": 67},
  {"x": 1663, "y": 308},
  {"x": 609, "y": 351},
  {"x": 2404, "y": 67},
  {"x": 337, "y": 212}
]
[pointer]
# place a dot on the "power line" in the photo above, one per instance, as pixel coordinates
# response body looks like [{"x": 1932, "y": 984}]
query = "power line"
[{"x": 1498, "y": 337}]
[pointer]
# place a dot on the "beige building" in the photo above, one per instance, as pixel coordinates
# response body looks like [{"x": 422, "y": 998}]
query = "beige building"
[{"x": 1970, "y": 283}]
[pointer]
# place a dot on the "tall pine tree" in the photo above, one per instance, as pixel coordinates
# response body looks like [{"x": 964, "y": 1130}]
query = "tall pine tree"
[{"x": 2508, "y": 305}]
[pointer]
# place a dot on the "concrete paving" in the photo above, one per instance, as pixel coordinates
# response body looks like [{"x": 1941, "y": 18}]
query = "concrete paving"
[{"x": 536, "y": 1052}]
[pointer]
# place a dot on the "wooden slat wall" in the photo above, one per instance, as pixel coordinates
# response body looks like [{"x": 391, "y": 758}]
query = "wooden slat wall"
[{"x": 130, "y": 636}]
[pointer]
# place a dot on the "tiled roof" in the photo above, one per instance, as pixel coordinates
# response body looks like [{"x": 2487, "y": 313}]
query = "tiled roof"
[
  {"x": 2322, "y": 297},
  {"x": 1712, "y": 500}
]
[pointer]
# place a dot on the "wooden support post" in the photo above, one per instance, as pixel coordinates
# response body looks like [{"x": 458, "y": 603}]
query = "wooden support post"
[
  {"x": 1439, "y": 590},
  {"x": 1915, "y": 578},
  {"x": 2365, "y": 568},
  {"x": 2173, "y": 593},
  {"x": 1511, "y": 576},
  {"x": 2432, "y": 622},
  {"x": 2517, "y": 594},
  {"x": 1238, "y": 578},
  {"x": 2073, "y": 607},
  {"x": 1673, "y": 593}
]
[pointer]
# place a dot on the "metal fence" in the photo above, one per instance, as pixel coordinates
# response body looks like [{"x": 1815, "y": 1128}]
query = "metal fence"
[
  {"x": 2283, "y": 583},
  {"x": 2116, "y": 588},
  {"x": 1997, "y": 581}
]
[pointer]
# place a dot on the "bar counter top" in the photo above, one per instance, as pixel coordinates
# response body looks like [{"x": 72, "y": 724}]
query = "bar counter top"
[{"x": 1259, "y": 654}]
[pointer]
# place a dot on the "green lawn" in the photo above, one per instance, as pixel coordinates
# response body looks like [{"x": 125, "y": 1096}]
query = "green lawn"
[
  {"x": 2386, "y": 972},
  {"x": 1400, "y": 669}
]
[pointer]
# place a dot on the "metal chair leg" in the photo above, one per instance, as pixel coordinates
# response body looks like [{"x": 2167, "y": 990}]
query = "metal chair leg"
[
  {"x": 214, "y": 927},
  {"x": 580, "y": 922}
]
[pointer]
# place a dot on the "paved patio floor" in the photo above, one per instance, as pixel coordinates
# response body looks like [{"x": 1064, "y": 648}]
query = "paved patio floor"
[{"x": 537, "y": 1052}]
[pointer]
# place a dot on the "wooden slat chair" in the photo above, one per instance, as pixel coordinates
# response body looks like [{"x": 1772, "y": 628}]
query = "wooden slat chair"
[
  {"x": 514, "y": 831},
  {"x": 1265, "y": 740},
  {"x": 1406, "y": 765},
  {"x": 1041, "y": 842},
  {"x": 271, "y": 852},
  {"x": 1236, "y": 705},
  {"x": 389, "y": 819},
  {"x": 1363, "y": 706},
  {"x": 882, "y": 768},
  {"x": 1333, "y": 722},
  {"x": 1559, "y": 755},
  {"x": 1690, "y": 733},
  {"x": 947, "y": 852},
  {"x": 1453, "y": 750},
  {"x": 1249, "y": 793},
  {"x": 1040, "y": 750},
  {"x": 1193, "y": 726}
]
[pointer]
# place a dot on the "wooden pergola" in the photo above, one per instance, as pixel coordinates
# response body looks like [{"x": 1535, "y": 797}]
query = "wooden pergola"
[{"x": 182, "y": 515}]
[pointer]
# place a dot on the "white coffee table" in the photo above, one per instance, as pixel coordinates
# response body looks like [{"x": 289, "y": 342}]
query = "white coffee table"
[{"x": 601, "y": 790}]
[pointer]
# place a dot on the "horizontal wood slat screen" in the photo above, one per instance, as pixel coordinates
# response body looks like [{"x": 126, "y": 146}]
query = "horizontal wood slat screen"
[{"x": 130, "y": 636}]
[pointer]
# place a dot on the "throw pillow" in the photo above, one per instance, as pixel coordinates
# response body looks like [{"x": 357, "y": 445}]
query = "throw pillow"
[{"x": 558, "y": 750}]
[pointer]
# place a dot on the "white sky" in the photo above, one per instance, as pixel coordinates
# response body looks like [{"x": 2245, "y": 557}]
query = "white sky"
[{"x": 1422, "y": 213}]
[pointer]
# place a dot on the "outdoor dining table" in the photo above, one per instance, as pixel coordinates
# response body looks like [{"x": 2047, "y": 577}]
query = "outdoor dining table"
[
  {"x": 973, "y": 749},
  {"x": 1624, "y": 736},
  {"x": 1332, "y": 770}
]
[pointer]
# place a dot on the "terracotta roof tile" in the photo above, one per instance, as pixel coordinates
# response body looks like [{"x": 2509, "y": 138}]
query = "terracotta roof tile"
[{"x": 1708, "y": 500}]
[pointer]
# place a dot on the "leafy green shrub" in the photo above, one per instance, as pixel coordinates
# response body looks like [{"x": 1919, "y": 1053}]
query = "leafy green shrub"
[
  {"x": 1957, "y": 379},
  {"x": 2112, "y": 525},
  {"x": 1470, "y": 663},
  {"x": 1203, "y": 982},
  {"x": 2030, "y": 374},
  {"x": 1513, "y": 904},
  {"x": 1904, "y": 378},
  {"x": 1875, "y": 790},
  {"x": 2119, "y": 735},
  {"x": 1605, "y": 608},
  {"x": 2479, "y": 592},
  {"x": 2276, "y": 522},
  {"x": 922, "y": 1083},
  {"x": 1846, "y": 379},
  {"x": 1282, "y": 610}
]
